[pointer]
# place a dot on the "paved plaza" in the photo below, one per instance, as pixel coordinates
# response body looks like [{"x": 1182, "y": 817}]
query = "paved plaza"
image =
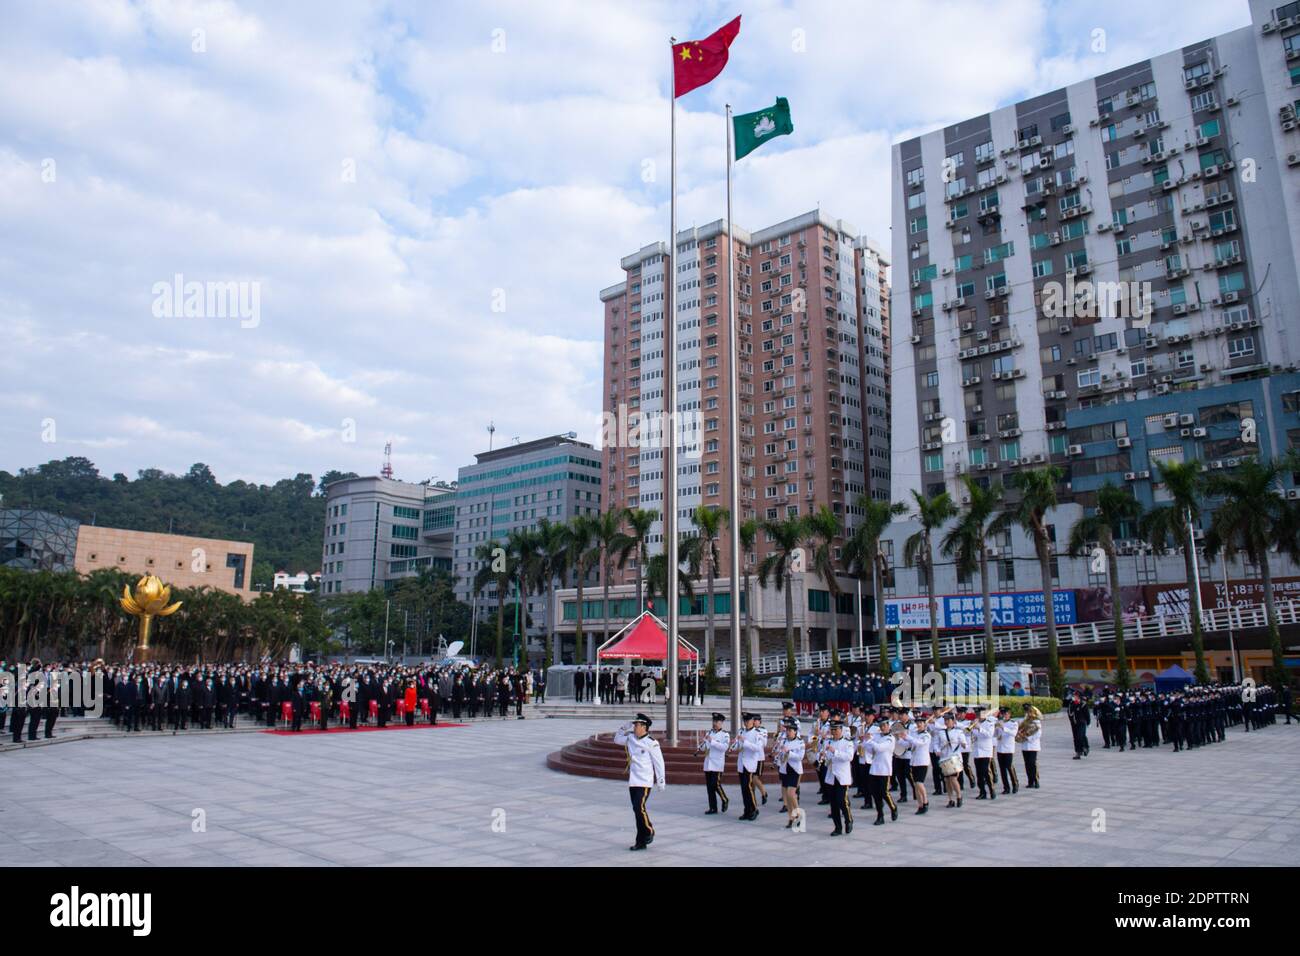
[{"x": 481, "y": 795}]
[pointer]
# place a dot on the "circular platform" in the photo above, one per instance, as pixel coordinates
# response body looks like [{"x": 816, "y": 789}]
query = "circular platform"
[{"x": 599, "y": 756}]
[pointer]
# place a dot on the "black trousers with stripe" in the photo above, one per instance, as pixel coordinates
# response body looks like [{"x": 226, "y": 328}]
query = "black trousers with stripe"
[
  {"x": 880, "y": 794},
  {"x": 1031, "y": 766},
  {"x": 644, "y": 829},
  {"x": 713, "y": 783},
  {"x": 1007, "y": 767},
  {"x": 747, "y": 792},
  {"x": 839, "y": 794}
]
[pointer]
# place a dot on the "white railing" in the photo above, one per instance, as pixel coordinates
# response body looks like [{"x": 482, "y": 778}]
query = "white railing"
[{"x": 1019, "y": 640}]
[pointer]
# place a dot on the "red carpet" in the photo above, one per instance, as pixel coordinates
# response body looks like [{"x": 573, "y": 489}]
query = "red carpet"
[{"x": 349, "y": 730}]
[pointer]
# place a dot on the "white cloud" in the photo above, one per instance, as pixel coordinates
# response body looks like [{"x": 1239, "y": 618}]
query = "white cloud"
[{"x": 519, "y": 147}]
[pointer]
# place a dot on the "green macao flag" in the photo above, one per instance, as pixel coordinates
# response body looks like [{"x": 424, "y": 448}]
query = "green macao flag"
[{"x": 752, "y": 130}]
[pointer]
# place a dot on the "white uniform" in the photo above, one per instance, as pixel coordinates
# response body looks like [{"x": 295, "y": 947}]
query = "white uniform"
[
  {"x": 716, "y": 743},
  {"x": 903, "y": 749},
  {"x": 839, "y": 755},
  {"x": 645, "y": 761},
  {"x": 963, "y": 726},
  {"x": 791, "y": 755},
  {"x": 950, "y": 741},
  {"x": 753, "y": 744},
  {"x": 1006, "y": 736},
  {"x": 881, "y": 749},
  {"x": 1034, "y": 741},
  {"x": 919, "y": 741},
  {"x": 982, "y": 738}
]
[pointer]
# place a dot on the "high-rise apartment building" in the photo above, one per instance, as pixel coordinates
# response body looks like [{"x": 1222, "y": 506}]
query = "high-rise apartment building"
[
  {"x": 1104, "y": 278},
  {"x": 812, "y": 321},
  {"x": 1168, "y": 191}
]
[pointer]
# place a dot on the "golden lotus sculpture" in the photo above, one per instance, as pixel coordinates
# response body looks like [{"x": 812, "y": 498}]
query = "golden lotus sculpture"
[{"x": 149, "y": 601}]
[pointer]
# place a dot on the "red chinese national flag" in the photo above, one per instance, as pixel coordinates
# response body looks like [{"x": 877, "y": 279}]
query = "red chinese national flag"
[{"x": 697, "y": 62}]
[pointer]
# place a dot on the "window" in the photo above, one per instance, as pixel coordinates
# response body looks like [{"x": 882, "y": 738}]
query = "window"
[
  {"x": 1089, "y": 377},
  {"x": 1241, "y": 347},
  {"x": 916, "y": 176}
]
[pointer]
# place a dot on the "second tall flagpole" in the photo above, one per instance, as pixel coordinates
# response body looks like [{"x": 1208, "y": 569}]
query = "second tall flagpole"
[
  {"x": 669, "y": 431},
  {"x": 733, "y": 428}
]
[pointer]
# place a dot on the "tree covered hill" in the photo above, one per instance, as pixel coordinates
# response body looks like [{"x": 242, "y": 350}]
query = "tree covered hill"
[{"x": 285, "y": 521}]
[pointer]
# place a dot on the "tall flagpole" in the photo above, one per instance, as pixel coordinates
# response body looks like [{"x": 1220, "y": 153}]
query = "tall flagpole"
[
  {"x": 670, "y": 401},
  {"x": 733, "y": 428}
]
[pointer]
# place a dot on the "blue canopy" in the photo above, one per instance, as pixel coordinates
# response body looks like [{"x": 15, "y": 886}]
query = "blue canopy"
[{"x": 1173, "y": 678}]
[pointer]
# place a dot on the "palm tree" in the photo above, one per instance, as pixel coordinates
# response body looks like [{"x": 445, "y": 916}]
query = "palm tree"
[
  {"x": 933, "y": 514},
  {"x": 656, "y": 579},
  {"x": 1177, "y": 521},
  {"x": 524, "y": 544},
  {"x": 579, "y": 535},
  {"x": 967, "y": 544},
  {"x": 552, "y": 551},
  {"x": 778, "y": 566},
  {"x": 607, "y": 532},
  {"x": 748, "y": 533},
  {"x": 640, "y": 521},
  {"x": 1117, "y": 512},
  {"x": 823, "y": 528},
  {"x": 1251, "y": 517},
  {"x": 701, "y": 555},
  {"x": 496, "y": 568},
  {"x": 1036, "y": 495},
  {"x": 863, "y": 557}
]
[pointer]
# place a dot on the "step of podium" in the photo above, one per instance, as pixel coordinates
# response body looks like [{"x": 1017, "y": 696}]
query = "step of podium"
[
  {"x": 770, "y": 710},
  {"x": 599, "y": 756}
]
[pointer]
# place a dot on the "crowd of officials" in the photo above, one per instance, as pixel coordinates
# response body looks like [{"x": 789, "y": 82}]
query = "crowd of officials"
[{"x": 172, "y": 696}]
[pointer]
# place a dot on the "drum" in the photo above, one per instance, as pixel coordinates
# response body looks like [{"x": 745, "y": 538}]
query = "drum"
[{"x": 950, "y": 766}]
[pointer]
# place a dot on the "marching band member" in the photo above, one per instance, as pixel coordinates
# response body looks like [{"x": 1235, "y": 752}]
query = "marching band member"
[
  {"x": 645, "y": 768},
  {"x": 857, "y": 727},
  {"x": 821, "y": 734},
  {"x": 788, "y": 756},
  {"x": 982, "y": 730},
  {"x": 750, "y": 753},
  {"x": 936, "y": 749},
  {"x": 714, "y": 745},
  {"x": 963, "y": 725},
  {"x": 902, "y": 753},
  {"x": 756, "y": 778},
  {"x": 918, "y": 740},
  {"x": 839, "y": 757},
  {"x": 1031, "y": 742},
  {"x": 881, "y": 750},
  {"x": 951, "y": 740},
  {"x": 787, "y": 714},
  {"x": 1005, "y": 731}
]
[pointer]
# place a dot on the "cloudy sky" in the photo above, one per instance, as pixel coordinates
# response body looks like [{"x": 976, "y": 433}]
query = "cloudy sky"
[{"x": 425, "y": 199}]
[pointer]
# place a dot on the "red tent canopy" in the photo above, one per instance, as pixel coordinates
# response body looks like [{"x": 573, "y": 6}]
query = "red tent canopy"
[{"x": 647, "y": 640}]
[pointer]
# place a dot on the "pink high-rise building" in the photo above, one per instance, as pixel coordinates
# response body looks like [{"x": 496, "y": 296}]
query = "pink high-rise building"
[{"x": 813, "y": 328}]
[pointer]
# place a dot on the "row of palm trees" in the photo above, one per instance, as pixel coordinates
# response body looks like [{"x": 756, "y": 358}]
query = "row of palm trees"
[{"x": 1249, "y": 516}]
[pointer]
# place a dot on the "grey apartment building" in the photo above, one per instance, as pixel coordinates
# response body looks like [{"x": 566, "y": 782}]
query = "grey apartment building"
[
  {"x": 1178, "y": 176},
  {"x": 515, "y": 487},
  {"x": 379, "y": 531}
]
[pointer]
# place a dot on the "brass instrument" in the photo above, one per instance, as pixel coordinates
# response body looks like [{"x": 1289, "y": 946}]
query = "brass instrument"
[{"x": 1030, "y": 724}]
